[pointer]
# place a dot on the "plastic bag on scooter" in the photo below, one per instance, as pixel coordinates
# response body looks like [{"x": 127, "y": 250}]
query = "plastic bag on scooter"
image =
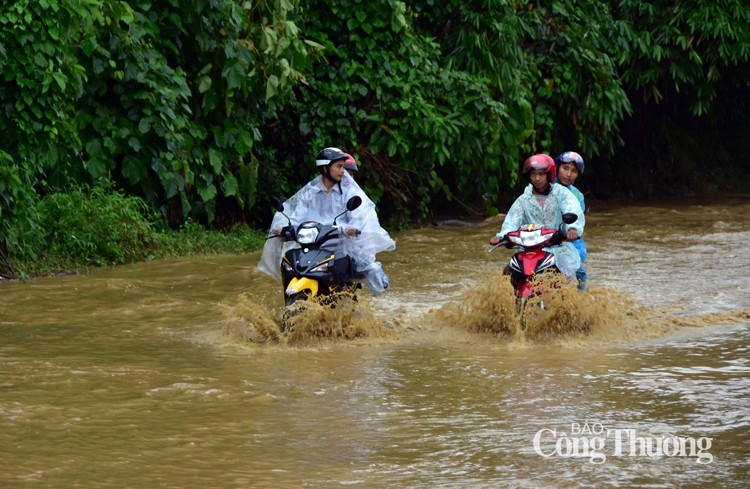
[{"x": 375, "y": 278}]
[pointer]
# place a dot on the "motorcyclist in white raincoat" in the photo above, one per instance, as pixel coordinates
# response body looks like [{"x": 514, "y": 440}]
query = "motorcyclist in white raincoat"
[{"x": 321, "y": 200}]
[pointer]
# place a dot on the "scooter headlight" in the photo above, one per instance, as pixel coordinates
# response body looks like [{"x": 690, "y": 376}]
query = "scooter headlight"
[
  {"x": 307, "y": 235},
  {"x": 320, "y": 268},
  {"x": 530, "y": 238}
]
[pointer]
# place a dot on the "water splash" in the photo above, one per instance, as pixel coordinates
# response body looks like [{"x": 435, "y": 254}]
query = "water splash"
[
  {"x": 561, "y": 314},
  {"x": 306, "y": 323}
]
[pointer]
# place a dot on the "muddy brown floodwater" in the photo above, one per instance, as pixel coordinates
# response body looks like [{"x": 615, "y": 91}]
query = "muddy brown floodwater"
[{"x": 174, "y": 374}]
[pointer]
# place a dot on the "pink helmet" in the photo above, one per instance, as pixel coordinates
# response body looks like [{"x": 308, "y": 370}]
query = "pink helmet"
[
  {"x": 350, "y": 163},
  {"x": 541, "y": 162}
]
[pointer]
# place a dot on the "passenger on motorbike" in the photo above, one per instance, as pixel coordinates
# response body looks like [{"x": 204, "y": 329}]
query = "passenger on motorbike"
[
  {"x": 569, "y": 167},
  {"x": 321, "y": 200},
  {"x": 350, "y": 165},
  {"x": 544, "y": 203}
]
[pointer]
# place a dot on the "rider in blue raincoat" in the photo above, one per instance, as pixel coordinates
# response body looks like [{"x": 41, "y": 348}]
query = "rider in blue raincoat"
[{"x": 569, "y": 167}]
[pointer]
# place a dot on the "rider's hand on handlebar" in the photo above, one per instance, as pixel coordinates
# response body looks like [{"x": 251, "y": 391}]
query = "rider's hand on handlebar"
[
  {"x": 287, "y": 232},
  {"x": 351, "y": 232},
  {"x": 572, "y": 234},
  {"x": 495, "y": 240}
]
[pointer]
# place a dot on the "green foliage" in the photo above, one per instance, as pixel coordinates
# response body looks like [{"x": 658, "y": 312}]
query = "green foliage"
[
  {"x": 182, "y": 90},
  {"x": 83, "y": 227},
  {"x": 193, "y": 239},
  {"x": 444, "y": 99},
  {"x": 40, "y": 79},
  {"x": 691, "y": 49},
  {"x": 579, "y": 98},
  {"x": 418, "y": 128},
  {"x": 14, "y": 190},
  {"x": 207, "y": 108},
  {"x": 551, "y": 63},
  {"x": 686, "y": 67},
  {"x": 485, "y": 41},
  {"x": 94, "y": 227}
]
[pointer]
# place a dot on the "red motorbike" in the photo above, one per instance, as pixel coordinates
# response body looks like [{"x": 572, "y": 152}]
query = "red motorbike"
[{"x": 531, "y": 259}]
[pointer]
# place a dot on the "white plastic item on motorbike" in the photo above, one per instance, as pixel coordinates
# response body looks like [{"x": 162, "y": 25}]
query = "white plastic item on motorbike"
[{"x": 375, "y": 278}]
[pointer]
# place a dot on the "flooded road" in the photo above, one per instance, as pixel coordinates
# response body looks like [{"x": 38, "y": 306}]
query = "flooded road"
[{"x": 144, "y": 376}]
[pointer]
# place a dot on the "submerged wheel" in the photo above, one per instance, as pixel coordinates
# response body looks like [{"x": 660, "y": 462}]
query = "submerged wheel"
[
  {"x": 286, "y": 320},
  {"x": 291, "y": 310},
  {"x": 291, "y": 299},
  {"x": 521, "y": 303}
]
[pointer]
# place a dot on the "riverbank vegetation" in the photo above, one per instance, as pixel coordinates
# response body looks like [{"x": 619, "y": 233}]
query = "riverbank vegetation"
[
  {"x": 83, "y": 228},
  {"x": 197, "y": 112}
]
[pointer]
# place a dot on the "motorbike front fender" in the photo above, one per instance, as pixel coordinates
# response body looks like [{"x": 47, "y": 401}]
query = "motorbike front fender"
[
  {"x": 297, "y": 285},
  {"x": 524, "y": 288}
]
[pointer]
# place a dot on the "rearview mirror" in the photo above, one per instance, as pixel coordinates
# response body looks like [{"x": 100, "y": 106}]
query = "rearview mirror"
[
  {"x": 277, "y": 204},
  {"x": 353, "y": 203},
  {"x": 569, "y": 218}
]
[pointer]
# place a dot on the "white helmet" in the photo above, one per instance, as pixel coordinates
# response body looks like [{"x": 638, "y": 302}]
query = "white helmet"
[{"x": 328, "y": 156}]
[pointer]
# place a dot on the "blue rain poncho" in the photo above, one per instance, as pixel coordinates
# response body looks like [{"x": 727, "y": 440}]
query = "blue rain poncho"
[
  {"x": 578, "y": 194},
  {"x": 528, "y": 210},
  {"x": 579, "y": 245},
  {"x": 314, "y": 202}
]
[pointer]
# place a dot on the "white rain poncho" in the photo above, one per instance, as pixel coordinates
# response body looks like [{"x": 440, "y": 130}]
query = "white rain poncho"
[
  {"x": 527, "y": 210},
  {"x": 314, "y": 202}
]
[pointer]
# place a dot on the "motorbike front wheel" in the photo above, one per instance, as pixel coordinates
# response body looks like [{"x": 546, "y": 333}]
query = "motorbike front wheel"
[
  {"x": 521, "y": 303},
  {"x": 290, "y": 310},
  {"x": 291, "y": 299}
]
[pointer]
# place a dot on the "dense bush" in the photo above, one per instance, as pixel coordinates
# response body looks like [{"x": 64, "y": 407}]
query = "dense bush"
[
  {"x": 40, "y": 79},
  {"x": 207, "y": 108},
  {"x": 81, "y": 228},
  {"x": 179, "y": 93},
  {"x": 421, "y": 130},
  {"x": 166, "y": 98},
  {"x": 94, "y": 227},
  {"x": 194, "y": 239}
]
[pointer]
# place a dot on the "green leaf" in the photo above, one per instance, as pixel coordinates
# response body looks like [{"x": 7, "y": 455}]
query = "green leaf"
[
  {"x": 205, "y": 69},
  {"x": 234, "y": 74},
  {"x": 133, "y": 170},
  {"x": 144, "y": 125},
  {"x": 204, "y": 84},
  {"x": 215, "y": 159},
  {"x": 207, "y": 192},
  {"x": 230, "y": 185},
  {"x": 61, "y": 79},
  {"x": 96, "y": 168},
  {"x": 244, "y": 143},
  {"x": 271, "y": 85}
]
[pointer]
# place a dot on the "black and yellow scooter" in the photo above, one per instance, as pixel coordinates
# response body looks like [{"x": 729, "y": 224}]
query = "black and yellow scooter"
[{"x": 313, "y": 269}]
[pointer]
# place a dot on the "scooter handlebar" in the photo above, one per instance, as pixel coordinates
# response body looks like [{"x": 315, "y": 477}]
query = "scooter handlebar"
[
  {"x": 343, "y": 231},
  {"x": 558, "y": 239},
  {"x": 503, "y": 242},
  {"x": 287, "y": 233}
]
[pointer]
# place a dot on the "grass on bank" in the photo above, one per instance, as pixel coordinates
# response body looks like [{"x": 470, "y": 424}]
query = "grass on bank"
[{"x": 84, "y": 228}]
